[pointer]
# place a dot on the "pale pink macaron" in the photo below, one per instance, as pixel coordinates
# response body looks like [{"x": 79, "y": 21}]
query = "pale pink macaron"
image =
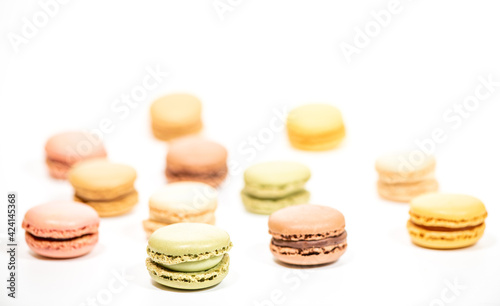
[
  {"x": 65, "y": 149},
  {"x": 62, "y": 229}
]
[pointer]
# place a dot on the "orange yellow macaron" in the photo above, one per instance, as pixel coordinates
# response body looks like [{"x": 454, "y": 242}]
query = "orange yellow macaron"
[
  {"x": 315, "y": 127},
  {"x": 446, "y": 221}
]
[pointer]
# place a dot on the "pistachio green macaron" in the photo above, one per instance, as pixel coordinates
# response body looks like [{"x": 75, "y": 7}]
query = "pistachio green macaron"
[
  {"x": 271, "y": 186},
  {"x": 188, "y": 255}
]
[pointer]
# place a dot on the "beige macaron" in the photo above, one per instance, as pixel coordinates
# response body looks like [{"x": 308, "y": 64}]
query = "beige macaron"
[
  {"x": 405, "y": 175},
  {"x": 181, "y": 202}
]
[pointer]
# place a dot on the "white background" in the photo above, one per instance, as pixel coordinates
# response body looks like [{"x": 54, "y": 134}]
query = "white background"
[{"x": 264, "y": 56}]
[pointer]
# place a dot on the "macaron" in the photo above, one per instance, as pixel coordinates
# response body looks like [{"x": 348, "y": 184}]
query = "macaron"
[
  {"x": 446, "y": 221},
  {"x": 107, "y": 187},
  {"x": 63, "y": 229},
  {"x": 402, "y": 177},
  {"x": 307, "y": 235},
  {"x": 181, "y": 202},
  {"x": 176, "y": 115},
  {"x": 315, "y": 127},
  {"x": 188, "y": 255},
  {"x": 64, "y": 150},
  {"x": 196, "y": 159},
  {"x": 270, "y": 186}
]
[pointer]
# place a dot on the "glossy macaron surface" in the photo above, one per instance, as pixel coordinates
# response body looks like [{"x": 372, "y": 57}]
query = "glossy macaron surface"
[
  {"x": 99, "y": 174},
  {"x": 70, "y": 147}
]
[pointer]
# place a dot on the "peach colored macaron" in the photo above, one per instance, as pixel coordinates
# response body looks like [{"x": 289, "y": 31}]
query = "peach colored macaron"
[
  {"x": 63, "y": 229},
  {"x": 307, "y": 234},
  {"x": 196, "y": 159},
  {"x": 65, "y": 149}
]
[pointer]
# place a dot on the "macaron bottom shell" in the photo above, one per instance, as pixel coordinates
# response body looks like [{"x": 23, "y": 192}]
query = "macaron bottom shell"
[
  {"x": 316, "y": 143},
  {"x": 443, "y": 240},
  {"x": 61, "y": 248},
  {"x": 268, "y": 206},
  {"x": 189, "y": 280}
]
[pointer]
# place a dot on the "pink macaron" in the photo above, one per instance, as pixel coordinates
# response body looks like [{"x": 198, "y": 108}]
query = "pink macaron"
[
  {"x": 65, "y": 149},
  {"x": 62, "y": 229}
]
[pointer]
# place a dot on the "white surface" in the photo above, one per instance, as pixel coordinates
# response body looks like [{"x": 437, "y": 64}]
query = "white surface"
[{"x": 264, "y": 56}]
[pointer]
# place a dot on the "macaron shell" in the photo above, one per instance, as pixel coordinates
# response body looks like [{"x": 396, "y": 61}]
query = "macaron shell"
[
  {"x": 70, "y": 147},
  {"x": 189, "y": 280},
  {"x": 275, "y": 179},
  {"x": 397, "y": 167},
  {"x": 213, "y": 179},
  {"x": 64, "y": 248},
  {"x": 314, "y": 144},
  {"x": 57, "y": 169},
  {"x": 61, "y": 220},
  {"x": 404, "y": 192},
  {"x": 445, "y": 239},
  {"x": 176, "y": 110},
  {"x": 196, "y": 155},
  {"x": 314, "y": 119},
  {"x": 99, "y": 179},
  {"x": 269, "y": 206},
  {"x": 115, "y": 207},
  {"x": 185, "y": 241},
  {"x": 302, "y": 221},
  {"x": 448, "y": 210},
  {"x": 315, "y": 256},
  {"x": 184, "y": 198}
]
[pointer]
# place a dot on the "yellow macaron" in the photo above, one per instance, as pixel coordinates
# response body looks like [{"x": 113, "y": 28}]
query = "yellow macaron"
[
  {"x": 107, "y": 187},
  {"x": 315, "y": 127},
  {"x": 446, "y": 221}
]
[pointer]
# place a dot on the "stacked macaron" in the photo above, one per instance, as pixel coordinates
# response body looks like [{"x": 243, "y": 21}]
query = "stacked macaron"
[
  {"x": 446, "y": 221},
  {"x": 402, "y": 178},
  {"x": 307, "y": 234},
  {"x": 271, "y": 186},
  {"x": 188, "y": 255},
  {"x": 181, "y": 202},
  {"x": 107, "y": 187},
  {"x": 61, "y": 229},
  {"x": 196, "y": 159},
  {"x": 315, "y": 127},
  {"x": 176, "y": 115},
  {"x": 66, "y": 149}
]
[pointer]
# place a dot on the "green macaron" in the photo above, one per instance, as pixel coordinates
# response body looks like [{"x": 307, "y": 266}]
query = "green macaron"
[
  {"x": 188, "y": 255},
  {"x": 271, "y": 186}
]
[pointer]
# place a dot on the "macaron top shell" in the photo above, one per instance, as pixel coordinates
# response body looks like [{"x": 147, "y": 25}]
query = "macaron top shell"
[
  {"x": 182, "y": 239},
  {"x": 276, "y": 173},
  {"x": 176, "y": 109},
  {"x": 101, "y": 174},
  {"x": 314, "y": 119},
  {"x": 447, "y": 207},
  {"x": 400, "y": 163},
  {"x": 196, "y": 153},
  {"x": 306, "y": 220},
  {"x": 184, "y": 197},
  {"x": 73, "y": 146},
  {"x": 61, "y": 219}
]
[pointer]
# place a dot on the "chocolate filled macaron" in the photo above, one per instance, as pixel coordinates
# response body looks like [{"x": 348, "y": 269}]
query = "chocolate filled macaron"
[
  {"x": 64, "y": 150},
  {"x": 198, "y": 160},
  {"x": 307, "y": 235}
]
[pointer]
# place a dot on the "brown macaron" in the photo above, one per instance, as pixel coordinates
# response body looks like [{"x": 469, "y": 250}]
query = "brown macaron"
[
  {"x": 307, "y": 234},
  {"x": 198, "y": 160}
]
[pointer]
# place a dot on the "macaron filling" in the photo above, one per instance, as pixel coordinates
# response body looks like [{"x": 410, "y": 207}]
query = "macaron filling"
[
  {"x": 195, "y": 266},
  {"x": 446, "y": 229},
  {"x": 306, "y": 244}
]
